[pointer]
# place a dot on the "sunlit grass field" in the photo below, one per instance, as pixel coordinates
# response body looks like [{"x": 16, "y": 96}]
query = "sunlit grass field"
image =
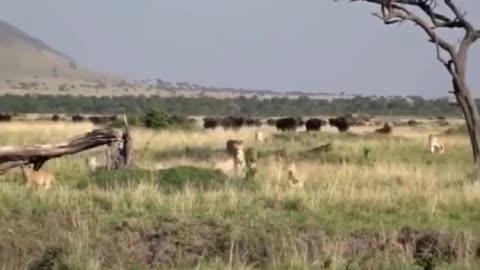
[{"x": 400, "y": 208}]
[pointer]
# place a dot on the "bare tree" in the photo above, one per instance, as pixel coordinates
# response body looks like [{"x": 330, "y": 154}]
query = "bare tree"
[{"x": 452, "y": 56}]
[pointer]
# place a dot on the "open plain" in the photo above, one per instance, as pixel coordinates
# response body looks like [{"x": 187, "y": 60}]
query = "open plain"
[{"x": 397, "y": 207}]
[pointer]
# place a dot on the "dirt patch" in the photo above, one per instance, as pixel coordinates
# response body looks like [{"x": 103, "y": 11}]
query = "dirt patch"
[
  {"x": 426, "y": 249},
  {"x": 173, "y": 244},
  {"x": 35, "y": 241},
  {"x": 183, "y": 244},
  {"x": 430, "y": 248}
]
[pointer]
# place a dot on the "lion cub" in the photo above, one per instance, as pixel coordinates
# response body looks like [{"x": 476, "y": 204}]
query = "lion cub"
[
  {"x": 436, "y": 145},
  {"x": 38, "y": 178},
  {"x": 92, "y": 164}
]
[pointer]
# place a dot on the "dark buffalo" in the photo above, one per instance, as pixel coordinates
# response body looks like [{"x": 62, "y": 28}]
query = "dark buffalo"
[
  {"x": 412, "y": 123},
  {"x": 55, "y": 118},
  {"x": 314, "y": 124},
  {"x": 340, "y": 123},
  {"x": 5, "y": 117},
  {"x": 232, "y": 122},
  {"x": 210, "y": 123},
  {"x": 98, "y": 120},
  {"x": 289, "y": 123},
  {"x": 78, "y": 118}
]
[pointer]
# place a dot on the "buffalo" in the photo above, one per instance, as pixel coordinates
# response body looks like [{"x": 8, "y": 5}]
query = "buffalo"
[
  {"x": 412, "y": 123},
  {"x": 232, "y": 122},
  {"x": 97, "y": 120},
  {"x": 210, "y": 123},
  {"x": 5, "y": 117},
  {"x": 340, "y": 123},
  {"x": 289, "y": 123},
  {"x": 314, "y": 124},
  {"x": 55, "y": 118},
  {"x": 78, "y": 118}
]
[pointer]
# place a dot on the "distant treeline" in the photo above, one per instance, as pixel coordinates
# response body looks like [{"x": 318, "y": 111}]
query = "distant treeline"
[{"x": 302, "y": 106}]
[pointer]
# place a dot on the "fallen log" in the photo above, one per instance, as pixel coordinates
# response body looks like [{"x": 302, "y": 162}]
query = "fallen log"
[{"x": 120, "y": 147}]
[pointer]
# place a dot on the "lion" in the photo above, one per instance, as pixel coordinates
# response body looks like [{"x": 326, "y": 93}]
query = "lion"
[
  {"x": 259, "y": 136},
  {"x": 436, "y": 145},
  {"x": 41, "y": 179},
  {"x": 251, "y": 162},
  {"x": 236, "y": 158},
  {"x": 233, "y": 145}
]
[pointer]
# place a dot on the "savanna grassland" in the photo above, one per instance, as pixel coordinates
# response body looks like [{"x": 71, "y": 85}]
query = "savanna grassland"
[{"x": 400, "y": 208}]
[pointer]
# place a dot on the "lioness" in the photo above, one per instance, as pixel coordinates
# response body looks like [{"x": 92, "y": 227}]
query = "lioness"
[{"x": 436, "y": 145}]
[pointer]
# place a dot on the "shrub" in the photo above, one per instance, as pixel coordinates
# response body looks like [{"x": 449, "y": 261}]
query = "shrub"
[
  {"x": 161, "y": 120},
  {"x": 156, "y": 120}
]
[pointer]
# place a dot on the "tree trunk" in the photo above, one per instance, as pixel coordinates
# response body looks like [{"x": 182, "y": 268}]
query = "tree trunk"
[
  {"x": 120, "y": 153},
  {"x": 120, "y": 146},
  {"x": 472, "y": 119}
]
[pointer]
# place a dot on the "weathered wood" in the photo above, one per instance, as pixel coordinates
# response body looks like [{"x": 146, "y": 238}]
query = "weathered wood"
[
  {"x": 120, "y": 153},
  {"x": 11, "y": 157}
]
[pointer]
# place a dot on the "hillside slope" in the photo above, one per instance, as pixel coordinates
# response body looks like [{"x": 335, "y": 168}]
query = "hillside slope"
[{"x": 24, "y": 56}]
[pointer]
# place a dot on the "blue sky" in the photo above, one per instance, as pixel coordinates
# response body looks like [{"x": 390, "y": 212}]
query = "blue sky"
[{"x": 308, "y": 45}]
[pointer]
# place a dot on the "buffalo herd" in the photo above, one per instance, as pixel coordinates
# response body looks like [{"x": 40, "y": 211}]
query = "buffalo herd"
[
  {"x": 94, "y": 119},
  {"x": 342, "y": 123},
  {"x": 282, "y": 124},
  {"x": 230, "y": 122}
]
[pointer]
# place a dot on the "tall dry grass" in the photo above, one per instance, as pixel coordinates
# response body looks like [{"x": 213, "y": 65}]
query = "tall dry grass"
[{"x": 401, "y": 184}]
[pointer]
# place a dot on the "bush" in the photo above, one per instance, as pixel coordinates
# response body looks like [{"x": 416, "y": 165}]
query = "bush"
[
  {"x": 161, "y": 120},
  {"x": 133, "y": 120},
  {"x": 156, "y": 120}
]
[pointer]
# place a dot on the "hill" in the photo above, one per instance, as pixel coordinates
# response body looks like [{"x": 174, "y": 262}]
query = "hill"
[
  {"x": 23, "y": 56},
  {"x": 30, "y": 66}
]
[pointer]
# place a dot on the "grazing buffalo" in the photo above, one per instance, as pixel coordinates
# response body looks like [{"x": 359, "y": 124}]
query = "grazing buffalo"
[
  {"x": 5, "y": 117},
  {"x": 340, "y": 123},
  {"x": 232, "y": 122},
  {"x": 412, "y": 123},
  {"x": 314, "y": 124},
  {"x": 55, "y": 118},
  {"x": 97, "y": 120},
  {"x": 289, "y": 123},
  {"x": 78, "y": 118},
  {"x": 210, "y": 123}
]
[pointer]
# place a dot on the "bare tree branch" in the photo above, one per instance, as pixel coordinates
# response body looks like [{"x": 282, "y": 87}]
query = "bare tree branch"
[
  {"x": 459, "y": 16},
  {"x": 398, "y": 10}
]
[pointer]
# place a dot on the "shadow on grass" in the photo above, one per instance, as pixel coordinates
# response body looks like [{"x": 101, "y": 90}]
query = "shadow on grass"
[{"x": 168, "y": 180}]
